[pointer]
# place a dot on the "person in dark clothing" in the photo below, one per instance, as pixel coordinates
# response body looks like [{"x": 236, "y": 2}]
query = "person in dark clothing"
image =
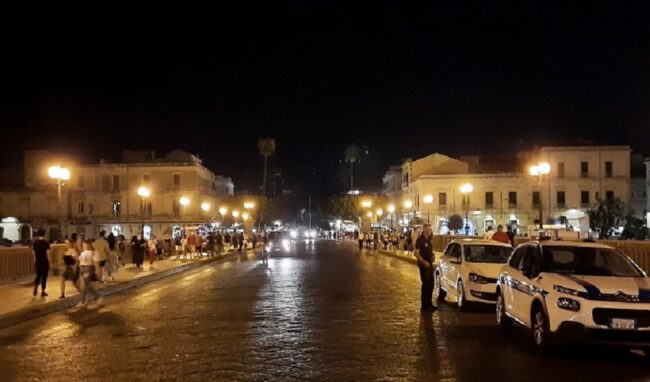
[
  {"x": 424, "y": 255},
  {"x": 41, "y": 262},
  {"x": 138, "y": 245},
  {"x": 511, "y": 236}
]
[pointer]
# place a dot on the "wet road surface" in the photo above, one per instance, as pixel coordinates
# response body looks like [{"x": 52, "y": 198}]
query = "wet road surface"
[{"x": 326, "y": 313}]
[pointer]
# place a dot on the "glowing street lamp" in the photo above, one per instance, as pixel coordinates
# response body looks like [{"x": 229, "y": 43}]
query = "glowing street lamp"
[
  {"x": 235, "y": 214},
  {"x": 407, "y": 206},
  {"x": 249, "y": 205},
  {"x": 223, "y": 210},
  {"x": 391, "y": 211},
  {"x": 143, "y": 193},
  {"x": 379, "y": 212},
  {"x": 205, "y": 207},
  {"x": 538, "y": 171},
  {"x": 60, "y": 174},
  {"x": 466, "y": 189},
  {"x": 428, "y": 199},
  {"x": 366, "y": 203},
  {"x": 369, "y": 214},
  {"x": 245, "y": 216}
]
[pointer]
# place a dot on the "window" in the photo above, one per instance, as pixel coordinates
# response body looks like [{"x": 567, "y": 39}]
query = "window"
[
  {"x": 560, "y": 169},
  {"x": 80, "y": 208},
  {"x": 584, "y": 169},
  {"x": 81, "y": 181},
  {"x": 453, "y": 250},
  {"x": 116, "y": 182},
  {"x": 561, "y": 200},
  {"x": 442, "y": 198},
  {"x": 609, "y": 169},
  {"x": 176, "y": 181},
  {"x": 532, "y": 259},
  {"x": 106, "y": 182},
  {"x": 584, "y": 198},
  {"x": 116, "y": 208},
  {"x": 515, "y": 259},
  {"x": 609, "y": 195},
  {"x": 536, "y": 199},
  {"x": 512, "y": 198},
  {"x": 489, "y": 199}
]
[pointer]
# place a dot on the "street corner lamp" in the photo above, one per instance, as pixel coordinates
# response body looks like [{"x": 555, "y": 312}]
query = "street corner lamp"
[
  {"x": 249, "y": 205},
  {"x": 466, "y": 189},
  {"x": 428, "y": 199},
  {"x": 366, "y": 203},
  {"x": 60, "y": 174},
  {"x": 408, "y": 204},
  {"x": 379, "y": 212},
  {"x": 235, "y": 214},
  {"x": 205, "y": 206},
  {"x": 369, "y": 214},
  {"x": 391, "y": 208},
  {"x": 223, "y": 210},
  {"x": 185, "y": 201},
  {"x": 144, "y": 192},
  {"x": 538, "y": 171},
  {"x": 245, "y": 216}
]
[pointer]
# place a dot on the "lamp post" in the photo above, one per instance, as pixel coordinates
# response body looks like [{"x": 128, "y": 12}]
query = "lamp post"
[
  {"x": 428, "y": 199},
  {"x": 60, "y": 174},
  {"x": 235, "y": 215},
  {"x": 144, "y": 193},
  {"x": 184, "y": 201},
  {"x": 466, "y": 189},
  {"x": 538, "y": 171},
  {"x": 205, "y": 207},
  {"x": 391, "y": 210},
  {"x": 408, "y": 205},
  {"x": 223, "y": 210}
]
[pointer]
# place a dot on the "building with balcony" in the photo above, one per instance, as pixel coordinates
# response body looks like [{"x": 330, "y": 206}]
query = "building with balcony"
[
  {"x": 508, "y": 194},
  {"x": 104, "y": 195}
]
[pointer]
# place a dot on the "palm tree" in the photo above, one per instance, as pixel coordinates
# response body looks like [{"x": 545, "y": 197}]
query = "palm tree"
[
  {"x": 351, "y": 155},
  {"x": 266, "y": 147}
]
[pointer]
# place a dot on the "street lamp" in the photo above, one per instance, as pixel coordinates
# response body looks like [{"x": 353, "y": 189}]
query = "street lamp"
[
  {"x": 538, "y": 171},
  {"x": 245, "y": 216},
  {"x": 143, "y": 193},
  {"x": 366, "y": 203},
  {"x": 428, "y": 199},
  {"x": 391, "y": 210},
  {"x": 60, "y": 174},
  {"x": 407, "y": 206},
  {"x": 249, "y": 205},
  {"x": 184, "y": 201},
  {"x": 466, "y": 189}
]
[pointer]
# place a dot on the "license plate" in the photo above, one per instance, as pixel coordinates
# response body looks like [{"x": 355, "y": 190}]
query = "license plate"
[{"x": 621, "y": 323}]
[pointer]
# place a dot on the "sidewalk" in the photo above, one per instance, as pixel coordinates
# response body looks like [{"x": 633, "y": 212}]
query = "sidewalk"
[{"x": 18, "y": 303}]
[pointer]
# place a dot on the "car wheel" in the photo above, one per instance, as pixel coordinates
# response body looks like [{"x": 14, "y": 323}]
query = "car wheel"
[
  {"x": 460, "y": 292},
  {"x": 438, "y": 293},
  {"x": 503, "y": 320},
  {"x": 541, "y": 331}
]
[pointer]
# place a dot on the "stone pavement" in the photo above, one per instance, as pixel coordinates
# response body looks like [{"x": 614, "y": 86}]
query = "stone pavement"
[{"x": 18, "y": 303}]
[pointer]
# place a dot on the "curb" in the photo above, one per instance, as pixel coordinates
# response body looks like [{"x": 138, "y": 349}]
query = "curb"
[{"x": 53, "y": 306}]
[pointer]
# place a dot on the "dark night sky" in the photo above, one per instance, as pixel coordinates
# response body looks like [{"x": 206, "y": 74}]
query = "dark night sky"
[{"x": 400, "y": 80}]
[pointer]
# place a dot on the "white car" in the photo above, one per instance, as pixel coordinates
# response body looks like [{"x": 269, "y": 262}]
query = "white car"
[
  {"x": 468, "y": 271},
  {"x": 575, "y": 292}
]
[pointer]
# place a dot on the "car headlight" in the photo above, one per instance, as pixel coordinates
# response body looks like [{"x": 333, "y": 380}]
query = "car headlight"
[
  {"x": 566, "y": 290},
  {"x": 568, "y": 304},
  {"x": 473, "y": 277},
  {"x": 293, "y": 234}
]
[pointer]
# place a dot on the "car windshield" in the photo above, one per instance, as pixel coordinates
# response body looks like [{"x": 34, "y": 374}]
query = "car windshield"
[
  {"x": 587, "y": 261},
  {"x": 487, "y": 254}
]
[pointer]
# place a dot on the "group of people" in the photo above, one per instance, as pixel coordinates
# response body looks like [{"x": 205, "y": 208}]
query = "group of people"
[
  {"x": 85, "y": 262},
  {"x": 214, "y": 243},
  {"x": 507, "y": 237},
  {"x": 388, "y": 240}
]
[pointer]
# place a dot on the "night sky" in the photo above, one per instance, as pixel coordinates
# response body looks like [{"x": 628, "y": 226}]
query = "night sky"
[{"x": 399, "y": 80}]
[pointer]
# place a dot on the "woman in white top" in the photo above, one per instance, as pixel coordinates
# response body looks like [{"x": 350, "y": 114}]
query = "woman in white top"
[{"x": 87, "y": 272}]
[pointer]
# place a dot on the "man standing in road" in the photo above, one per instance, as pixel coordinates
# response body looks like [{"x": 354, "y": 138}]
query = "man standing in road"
[
  {"x": 424, "y": 255},
  {"x": 100, "y": 255},
  {"x": 41, "y": 249}
]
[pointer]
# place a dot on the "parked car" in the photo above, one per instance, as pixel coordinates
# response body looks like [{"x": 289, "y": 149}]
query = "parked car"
[
  {"x": 575, "y": 292},
  {"x": 468, "y": 271}
]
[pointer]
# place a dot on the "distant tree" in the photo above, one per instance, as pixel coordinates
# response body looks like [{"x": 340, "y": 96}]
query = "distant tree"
[
  {"x": 352, "y": 154},
  {"x": 455, "y": 222},
  {"x": 607, "y": 215},
  {"x": 266, "y": 148}
]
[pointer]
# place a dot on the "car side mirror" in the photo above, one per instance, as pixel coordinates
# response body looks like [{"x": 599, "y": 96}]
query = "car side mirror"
[{"x": 527, "y": 270}]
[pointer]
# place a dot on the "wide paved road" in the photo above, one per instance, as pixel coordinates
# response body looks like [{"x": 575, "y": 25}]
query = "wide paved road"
[{"x": 327, "y": 313}]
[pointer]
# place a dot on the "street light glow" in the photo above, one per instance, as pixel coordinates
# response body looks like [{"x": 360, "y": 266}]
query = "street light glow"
[
  {"x": 249, "y": 205},
  {"x": 466, "y": 188},
  {"x": 391, "y": 208},
  {"x": 144, "y": 192},
  {"x": 235, "y": 213},
  {"x": 185, "y": 201},
  {"x": 366, "y": 203},
  {"x": 223, "y": 210},
  {"x": 408, "y": 204},
  {"x": 205, "y": 206},
  {"x": 58, "y": 172},
  {"x": 369, "y": 214},
  {"x": 544, "y": 168},
  {"x": 428, "y": 199},
  {"x": 245, "y": 216},
  {"x": 534, "y": 170},
  {"x": 379, "y": 212}
]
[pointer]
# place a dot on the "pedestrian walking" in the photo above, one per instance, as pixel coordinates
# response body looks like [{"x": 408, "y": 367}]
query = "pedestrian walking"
[
  {"x": 489, "y": 233},
  {"x": 87, "y": 272},
  {"x": 112, "y": 261},
  {"x": 191, "y": 244},
  {"x": 152, "y": 250},
  {"x": 41, "y": 249},
  {"x": 360, "y": 242},
  {"x": 137, "y": 250},
  {"x": 424, "y": 255},
  {"x": 101, "y": 254},
  {"x": 70, "y": 262}
]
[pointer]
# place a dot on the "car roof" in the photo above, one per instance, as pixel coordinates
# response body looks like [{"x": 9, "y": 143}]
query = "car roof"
[
  {"x": 480, "y": 242},
  {"x": 563, "y": 243}
]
